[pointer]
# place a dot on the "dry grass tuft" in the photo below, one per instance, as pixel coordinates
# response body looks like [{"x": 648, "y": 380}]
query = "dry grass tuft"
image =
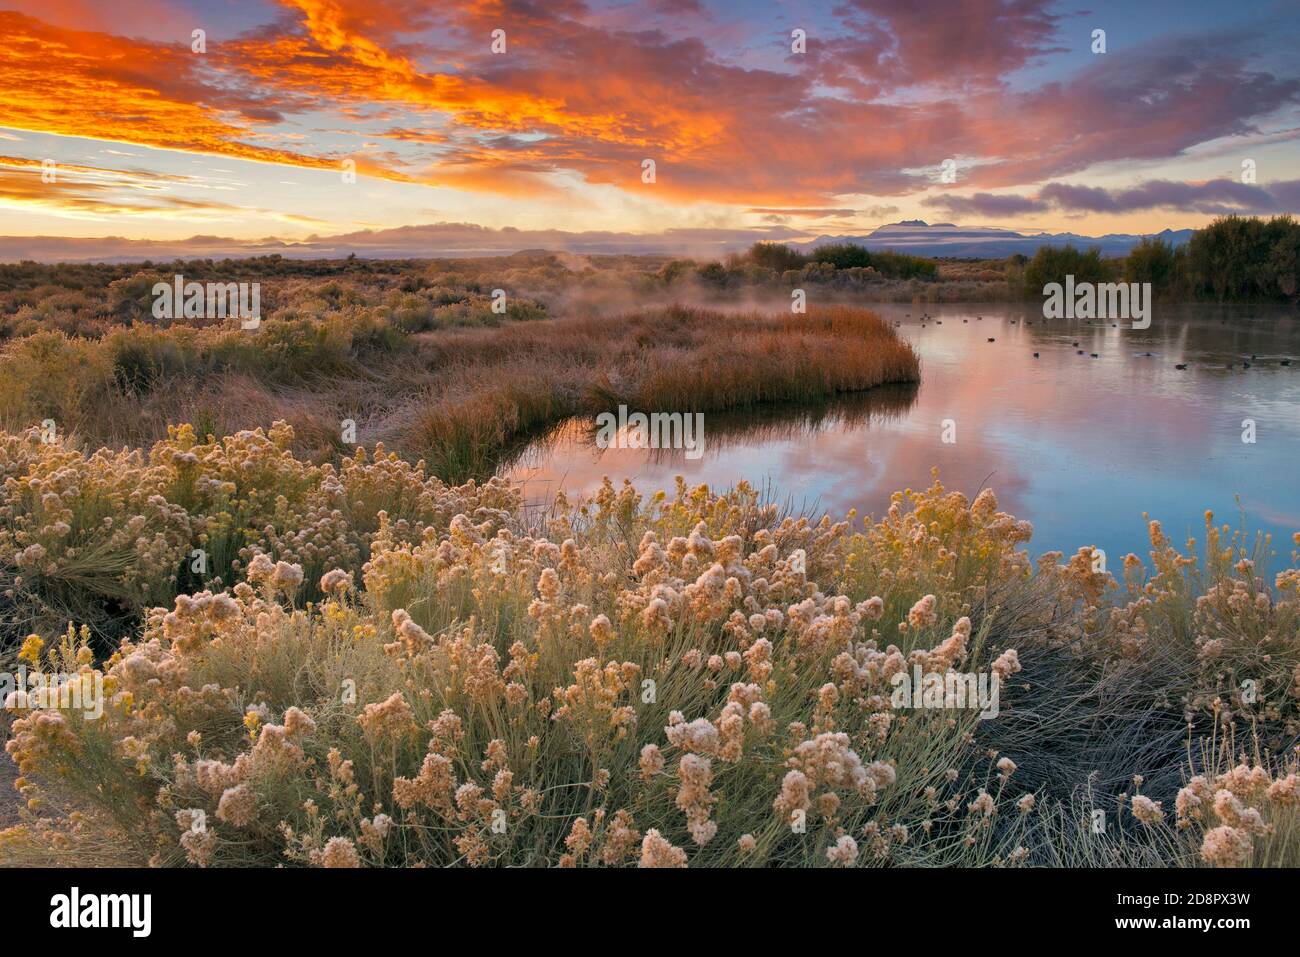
[{"x": 498, "y": 385}]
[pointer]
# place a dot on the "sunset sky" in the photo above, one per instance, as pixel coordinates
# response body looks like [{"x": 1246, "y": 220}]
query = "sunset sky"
[{"x": 248, "y": 139}]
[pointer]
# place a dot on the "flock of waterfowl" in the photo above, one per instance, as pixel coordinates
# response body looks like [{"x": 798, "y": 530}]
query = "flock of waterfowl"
[{"x": 1181, "y": 366}]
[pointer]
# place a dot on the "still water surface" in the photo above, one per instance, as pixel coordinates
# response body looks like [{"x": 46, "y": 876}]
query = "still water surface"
[{"x": 1080, "y": 446}]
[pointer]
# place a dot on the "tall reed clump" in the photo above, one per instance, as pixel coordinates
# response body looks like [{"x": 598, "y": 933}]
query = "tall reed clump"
[
  {"x": 460, "y": 396},
  {"x": 496, "y": 386}
]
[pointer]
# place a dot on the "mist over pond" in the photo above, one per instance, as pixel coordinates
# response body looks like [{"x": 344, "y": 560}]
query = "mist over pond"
[{"x": 1080, "y": 446}]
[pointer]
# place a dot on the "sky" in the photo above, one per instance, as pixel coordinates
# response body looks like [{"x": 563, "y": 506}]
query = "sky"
[{"x": 297, "y": 119}]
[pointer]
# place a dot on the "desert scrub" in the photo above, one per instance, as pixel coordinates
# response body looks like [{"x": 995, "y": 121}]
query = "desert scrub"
[
  {"x": 400, "y": 672},
  {"x": 82, "y": 538},
  {"x": 1237, "y": 808},
  {"x": 1226, "y": 635},
  {"x": 621, "y": 683},
  {"x": 938, "y": 541},
  {"x": 49, "y": 375},
  {"x": 98, "y": 539}
]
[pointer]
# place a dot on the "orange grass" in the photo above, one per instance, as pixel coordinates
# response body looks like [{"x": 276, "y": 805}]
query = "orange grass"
[{"x": 498, "y": 384}]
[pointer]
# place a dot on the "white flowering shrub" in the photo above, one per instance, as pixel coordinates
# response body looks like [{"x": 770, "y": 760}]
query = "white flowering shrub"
[
  {"x": 98, "y": 539},
  {"x": 397, "y": 672},
  {"x": 658, "y": 683}
]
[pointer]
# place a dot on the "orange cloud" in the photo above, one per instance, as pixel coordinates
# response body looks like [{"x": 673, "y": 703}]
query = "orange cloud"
[
  {"x": 573, "y": 95},
  {"x": 99, "y": 86}
]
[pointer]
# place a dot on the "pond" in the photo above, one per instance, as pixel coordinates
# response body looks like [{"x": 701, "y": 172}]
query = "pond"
[{"x": 1081, "y": 439}]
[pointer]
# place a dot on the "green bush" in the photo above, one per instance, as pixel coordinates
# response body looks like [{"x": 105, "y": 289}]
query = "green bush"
[
  {"x": 775, "y": 256},
  {"x": 843, "y": 255},
  {"x": 1051, "y": 264},
  {"x": 1242, "y": 258},
  {"x": 894, "y": 265},
  {"x": 1159, "y": 263}
]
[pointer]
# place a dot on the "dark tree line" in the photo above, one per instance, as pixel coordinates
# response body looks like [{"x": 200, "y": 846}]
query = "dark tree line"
[{"x": 1234, "y": 259}]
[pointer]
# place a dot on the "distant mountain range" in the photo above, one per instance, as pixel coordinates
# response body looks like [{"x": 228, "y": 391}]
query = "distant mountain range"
[
  {"x": 920, "y": 238},
  {"x": 457, "y": 240}
]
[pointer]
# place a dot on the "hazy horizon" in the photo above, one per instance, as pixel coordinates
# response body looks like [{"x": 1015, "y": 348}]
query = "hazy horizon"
[
  {"x": 496, "y": 125},
  {"x": 465, "y": 240}
]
